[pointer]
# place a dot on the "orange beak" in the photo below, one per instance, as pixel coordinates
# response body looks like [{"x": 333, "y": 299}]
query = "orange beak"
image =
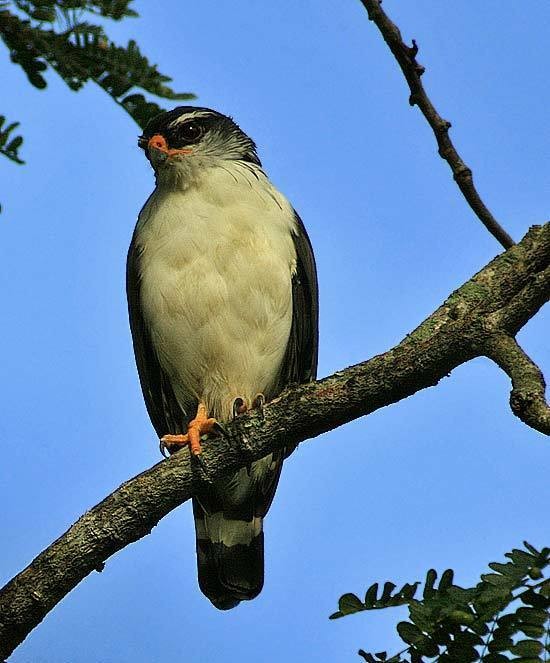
[{"x": 158, "y": 142}]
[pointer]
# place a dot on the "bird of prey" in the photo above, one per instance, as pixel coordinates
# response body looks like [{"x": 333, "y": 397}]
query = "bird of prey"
[{"x": 223, "y": 305}]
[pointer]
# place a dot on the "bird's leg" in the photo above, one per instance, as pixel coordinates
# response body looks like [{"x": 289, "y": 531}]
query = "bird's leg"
[
  {"x": 200, "y": 425},
  {"x": 240, "y": 407}
]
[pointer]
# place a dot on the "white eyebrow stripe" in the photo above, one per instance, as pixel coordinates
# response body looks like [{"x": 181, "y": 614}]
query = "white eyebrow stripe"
[{"x": 189, "y": 116}]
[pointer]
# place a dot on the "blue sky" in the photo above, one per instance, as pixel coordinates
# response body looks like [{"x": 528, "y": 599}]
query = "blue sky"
[{"x": 448, "y": 478}]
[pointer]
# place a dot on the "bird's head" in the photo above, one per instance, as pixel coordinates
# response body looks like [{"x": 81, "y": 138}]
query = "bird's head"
[{"x": 182, "y": 141}]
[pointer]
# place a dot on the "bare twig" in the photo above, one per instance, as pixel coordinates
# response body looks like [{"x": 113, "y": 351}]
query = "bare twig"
[
  {"x": 499, "y": 299},
  {"x": 527, "y": 398},
  {"x": 412, "y": 70}
]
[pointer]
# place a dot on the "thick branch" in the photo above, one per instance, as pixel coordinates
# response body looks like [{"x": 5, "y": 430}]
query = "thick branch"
[
  {"x": 498, "y": 300},
  {"x": 406, "y": 58},
  {"x": 527, "y": 398}
]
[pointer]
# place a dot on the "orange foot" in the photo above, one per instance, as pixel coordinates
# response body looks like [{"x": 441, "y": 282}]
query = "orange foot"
[{"x": 200, "y": 425}]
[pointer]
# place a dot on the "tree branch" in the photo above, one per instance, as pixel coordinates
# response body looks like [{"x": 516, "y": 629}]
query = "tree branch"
[
  {"x": 472, "y": 322},
  {"x": 527, "y": 398},
  {"x": 412, "y": 70}
]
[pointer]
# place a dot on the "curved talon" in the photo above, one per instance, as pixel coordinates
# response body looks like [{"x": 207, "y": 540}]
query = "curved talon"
[
  {"x": 218, "y": 428},
  {"x": 201, "y": 462},
  {"x": 258, "y": 403},
  {"x": 239, "y": 407}
]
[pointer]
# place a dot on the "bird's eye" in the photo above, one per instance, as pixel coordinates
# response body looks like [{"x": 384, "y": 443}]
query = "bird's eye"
[{"x": 191, "y": 131}]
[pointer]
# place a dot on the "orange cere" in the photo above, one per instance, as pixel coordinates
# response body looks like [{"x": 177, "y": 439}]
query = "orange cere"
[{"x": 158, "y": 142}]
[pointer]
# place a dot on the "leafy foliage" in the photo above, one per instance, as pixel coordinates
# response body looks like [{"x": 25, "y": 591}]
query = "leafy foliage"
[
  {"x": 42, "y": 34},
  {"x": 9, "y": 145},
  {"x": 505, "y": 617}
]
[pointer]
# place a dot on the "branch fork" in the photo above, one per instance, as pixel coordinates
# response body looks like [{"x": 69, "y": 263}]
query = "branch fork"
[{"x": 480, "y": 319}]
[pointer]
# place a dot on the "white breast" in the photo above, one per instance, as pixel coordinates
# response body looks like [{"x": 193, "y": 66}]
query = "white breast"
[{"x": 217, "y": 260}]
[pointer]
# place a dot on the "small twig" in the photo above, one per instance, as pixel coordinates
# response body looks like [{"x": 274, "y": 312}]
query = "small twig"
[
  {"x": 527, "y": 398},
  {"x": 489, "y": 635},
  {"x": 412, "y": 70}
]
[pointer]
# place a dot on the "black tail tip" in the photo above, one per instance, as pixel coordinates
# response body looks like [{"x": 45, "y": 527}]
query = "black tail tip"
[
  {"x": 224, "y": 602},
  {"x": 230, "y": 574}
]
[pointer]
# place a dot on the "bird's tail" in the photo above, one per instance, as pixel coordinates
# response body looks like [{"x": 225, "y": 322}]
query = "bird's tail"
[{"x": 230, "y": 557}]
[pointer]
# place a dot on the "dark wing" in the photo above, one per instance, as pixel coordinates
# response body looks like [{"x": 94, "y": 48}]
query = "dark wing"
[
  {"x": 300, "y": 360},
  {"x": 165, "y": 413}
]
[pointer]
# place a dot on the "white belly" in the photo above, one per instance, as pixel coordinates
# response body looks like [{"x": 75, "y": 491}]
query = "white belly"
[{"x": 216, "y": 268}]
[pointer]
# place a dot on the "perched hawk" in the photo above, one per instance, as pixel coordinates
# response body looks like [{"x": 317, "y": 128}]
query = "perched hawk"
[{"x": 222, "y": 294}]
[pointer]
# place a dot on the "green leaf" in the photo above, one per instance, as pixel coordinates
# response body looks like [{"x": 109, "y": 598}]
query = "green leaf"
[
  {"x": 425, "y": 646},
  {"x": 530, "y": 597},
  {"x": 532, "y": 616},
  {"x": 141, "y": 110},
  {"x": 495, "y": 658},
  {"x": 509, "y": 569},
  {"x": 462, "y": 653},
  {"x": 527, "y": 648},
  {"x": 500, "y": 644},
  {"x": 371, "y": 595},
  {"x": 10, "y": 144},
  {"x": 115, "y": 9},
  {"x": 497, "y": 580},
  {"x": 507, "y": 622},
  {"x": 386, "y": 592},
  {"x": 349, "y": 604},
  {"x": 446, "y": 580},
  {"x": 409, "y": 633},
  {"x": 535, "y": 573},
  {"x": 408, "y": 591},
  {"x": 15, "y": 144},
  {"x": 378, "y": 658},
  {"x": 441, "y": 635},
  {"x": 431, "y": 577},
  {"x": 461, "y": 617},
  {"x": 520, "y": 557},
  {"x": 369, "y": 658},
  {"x": 44, "y": 14},
  {"x": 532, "y": 631},
  {"x": 531, "y": 549}
]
